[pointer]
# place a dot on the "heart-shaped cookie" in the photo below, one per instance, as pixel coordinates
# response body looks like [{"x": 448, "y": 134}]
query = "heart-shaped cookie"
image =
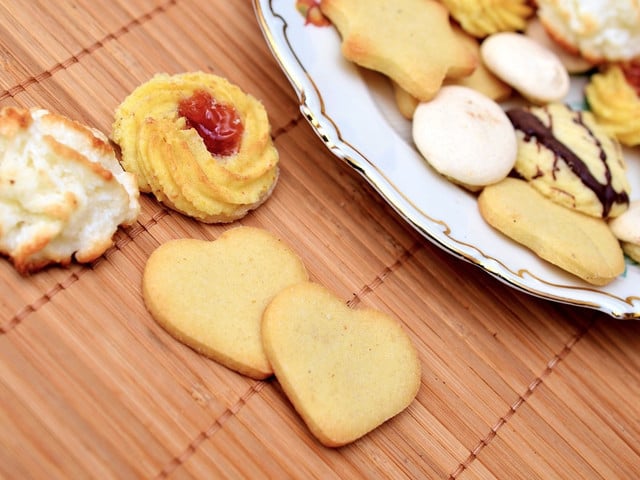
[
  {"x": 345, "y": 371},
  {"x": 211, "y": 295}
]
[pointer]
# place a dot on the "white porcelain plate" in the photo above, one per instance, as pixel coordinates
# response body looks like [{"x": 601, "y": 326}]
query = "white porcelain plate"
[{"x": 353, "y": 113}]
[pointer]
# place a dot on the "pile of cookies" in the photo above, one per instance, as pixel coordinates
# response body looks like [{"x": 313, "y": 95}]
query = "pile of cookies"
[
  {"x": 245, "y": 300},
  {"x": 545, "y": 173}
]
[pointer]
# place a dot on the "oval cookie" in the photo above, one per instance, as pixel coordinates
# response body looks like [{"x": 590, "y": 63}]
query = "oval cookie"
[{"x": 578, "y": 243}]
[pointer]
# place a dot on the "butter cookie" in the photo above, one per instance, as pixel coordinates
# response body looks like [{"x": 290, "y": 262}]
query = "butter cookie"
[
  {"x": 199, "y": 143},
  {"x": 346, "y": 371},
  {"x": 481, "y": 18},
  {"x": 579, "y": 244},
  {"x": 410, "y": 41},
  {"x": 615, "y": 104}
]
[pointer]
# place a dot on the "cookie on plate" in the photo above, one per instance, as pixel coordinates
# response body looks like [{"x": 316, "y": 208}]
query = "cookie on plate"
[
  {"x": 410, "y": 41},
  {"x": 63, "y": 193},
  {"x": 570, "y": 158},
  {"x": 600, "y": 31},
  {"x": 199, "y": 143},
  {"x": 529, "y": 67},
  {"x": 626, "y": 228},
  {"x": 615, "y": 104},
  {"x": 481, "y": 18},
  {"x": 346, "y": 371},
  {"x": 465, "y": 136},
  {"x": 573, "y": 62},
  {"x": 482, "y": 80},
  {"x": 210, "y": 295},
  {"x": 579, "y": 244}
]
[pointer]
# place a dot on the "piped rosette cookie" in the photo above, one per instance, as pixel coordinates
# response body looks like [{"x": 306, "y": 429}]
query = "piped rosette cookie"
[
  {"x": 481, "y": 18},
  {"x": 199, "y": 144},
  {"x": 570, "y": 159},
  {"x": 615, "y": 104}
]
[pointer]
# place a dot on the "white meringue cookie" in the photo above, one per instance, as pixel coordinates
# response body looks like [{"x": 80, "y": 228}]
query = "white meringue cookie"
[
  {"x": 531, "y": 69},
  {"x": 465, "y": 136}
]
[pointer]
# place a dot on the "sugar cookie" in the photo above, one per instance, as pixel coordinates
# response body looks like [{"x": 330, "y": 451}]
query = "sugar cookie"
[
  {"x": 346, "y": 371},
  {"x": 410, "y": 41},
  {"x": 210, "y": 295}
]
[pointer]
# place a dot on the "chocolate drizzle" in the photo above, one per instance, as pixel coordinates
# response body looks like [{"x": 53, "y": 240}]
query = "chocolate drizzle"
[{"x": 533, "y": 128}]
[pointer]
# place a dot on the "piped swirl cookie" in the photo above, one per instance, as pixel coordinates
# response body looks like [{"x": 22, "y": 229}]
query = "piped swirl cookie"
[
  {"x": 199, "y": 143},
  {"x": 615, "y": 104},
  {"x": 484, "y": 17},
  {"x": 62, "y": 192},
  {"x": 570, "y": 159}
]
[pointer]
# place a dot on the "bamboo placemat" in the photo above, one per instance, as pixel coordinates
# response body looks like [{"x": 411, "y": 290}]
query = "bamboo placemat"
[{"x": 90, "y": 386}]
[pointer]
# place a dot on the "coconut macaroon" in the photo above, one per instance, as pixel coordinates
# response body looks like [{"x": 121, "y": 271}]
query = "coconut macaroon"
[
  {"x": 200, "y": 144},
  {"x": 63, "y": 193},
  {"x": 598, "y": 30},
  {"x": 573, "y": 62}
]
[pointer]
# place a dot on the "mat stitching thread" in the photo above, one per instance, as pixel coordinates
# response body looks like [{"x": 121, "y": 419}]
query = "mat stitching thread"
[
  {"x": 380, "y": 278},
  {"x": 46, "y": 297},
  {"x": 218, "y": 424},
  {"x": 36, "y": 305},
  {"x": 286, "y": 128},
  {"x": 502, "y": 421},
  {"x": 22, "y": 86}
]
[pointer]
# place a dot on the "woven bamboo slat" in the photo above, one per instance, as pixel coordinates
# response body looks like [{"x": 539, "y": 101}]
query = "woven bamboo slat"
[{"x": 91, "y": 387}]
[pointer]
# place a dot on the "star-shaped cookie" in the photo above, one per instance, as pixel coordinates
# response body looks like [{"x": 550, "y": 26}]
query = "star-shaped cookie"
[{"x": 410, "y": 41}]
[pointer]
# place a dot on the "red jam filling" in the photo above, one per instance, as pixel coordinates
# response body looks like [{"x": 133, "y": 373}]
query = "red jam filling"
[
  {"x": 218, "y": 124},
  {"x": 631, "y": 72}
]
